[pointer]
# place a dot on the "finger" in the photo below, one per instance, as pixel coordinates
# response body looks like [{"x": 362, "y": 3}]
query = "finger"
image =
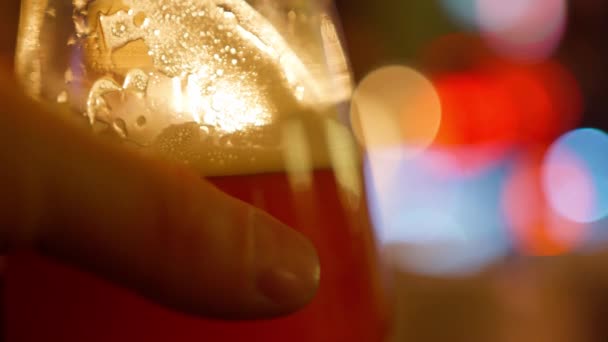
[{"x": 150, "y": 225}]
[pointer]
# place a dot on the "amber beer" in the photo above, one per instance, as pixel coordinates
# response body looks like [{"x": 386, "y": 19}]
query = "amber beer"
[{"x": 47, "y": 301}]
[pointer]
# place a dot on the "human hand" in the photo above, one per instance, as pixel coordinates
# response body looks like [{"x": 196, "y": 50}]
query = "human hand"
[{"x": 152, "y": 226}]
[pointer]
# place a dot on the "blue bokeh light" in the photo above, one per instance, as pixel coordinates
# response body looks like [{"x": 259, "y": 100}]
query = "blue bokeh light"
[
  {"x": 462, "y": 11},
  {"x": 435, "y": 222},
  {"x": 575, "y": 175}
]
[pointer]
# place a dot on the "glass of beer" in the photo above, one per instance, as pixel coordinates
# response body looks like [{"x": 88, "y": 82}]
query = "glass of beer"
[{"x": 251, "y": 94}]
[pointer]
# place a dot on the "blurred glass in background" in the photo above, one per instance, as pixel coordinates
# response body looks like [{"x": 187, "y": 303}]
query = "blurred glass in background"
[{"x": 470, "y": 111}]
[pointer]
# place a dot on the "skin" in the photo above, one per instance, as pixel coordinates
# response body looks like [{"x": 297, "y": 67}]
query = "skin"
[{"x": 172, "y": 237}]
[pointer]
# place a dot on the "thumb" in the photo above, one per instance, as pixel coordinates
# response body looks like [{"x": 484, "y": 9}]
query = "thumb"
[{"x": 152, "y": 226}]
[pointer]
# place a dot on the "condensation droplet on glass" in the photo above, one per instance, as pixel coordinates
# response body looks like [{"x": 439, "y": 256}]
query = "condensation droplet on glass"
[
  {"x": 136, "y": 80},
  {"x": 229, "y": 15},
  {"x": 141, "y": 121},
  {"x": 205, "y": 131},
  {"x": 234, "y": 61},
  {"x": 120, "y": 127},
  {"x": 219, "y": 72},
  {"x": 81, "y": 27},
  {"x": 79, "y": 4},
  {"x": 157, "y": 32},
  {"x": 97, "y": 107},
  {"x": 71, "y": 41},
  {"x": 68, "y": 76},
  {"x": 140, "y": 20},
  {"x": 62, "y": 97},
  {"x": 119, "y": 29}
]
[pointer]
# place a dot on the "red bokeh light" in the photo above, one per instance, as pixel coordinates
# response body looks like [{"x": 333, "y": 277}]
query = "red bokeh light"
[
  {"x": 535, "y": 227},
  {"x": 475, "y": 110},
  {"x": 507, "y": 104}
]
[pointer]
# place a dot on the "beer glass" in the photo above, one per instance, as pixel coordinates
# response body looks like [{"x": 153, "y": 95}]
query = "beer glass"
[{"x": 251, "y": 94}]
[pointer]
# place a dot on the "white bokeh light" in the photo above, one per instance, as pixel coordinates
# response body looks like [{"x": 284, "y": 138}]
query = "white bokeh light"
[{"x": 396, "y": 106}]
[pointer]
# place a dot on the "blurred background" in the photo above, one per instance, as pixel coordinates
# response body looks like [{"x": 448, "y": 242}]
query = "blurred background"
[
  {"x": 483, "y": 121},
  {"x": 487, "y": 162}
]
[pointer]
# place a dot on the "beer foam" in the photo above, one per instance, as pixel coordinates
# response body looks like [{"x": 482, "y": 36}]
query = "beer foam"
[
  {"x": 209, "y": 82},
  {"x": 227, "y": 86},
  {"x": 298, "y": 143}
]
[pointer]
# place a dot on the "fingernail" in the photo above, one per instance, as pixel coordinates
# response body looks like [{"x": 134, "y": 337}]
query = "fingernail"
[{"x": 287, "y": 265}]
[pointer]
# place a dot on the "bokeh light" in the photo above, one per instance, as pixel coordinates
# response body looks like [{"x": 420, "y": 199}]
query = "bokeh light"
[
  {"x": 509, "y": 104},
  {"x": 535, "y": 227},
  {"x": 462, "y": 11},
  {"x": 475, "y": 110},
  {"x": 396, "y": 106},
  {"x": 431, "y": 221},
  {"x": 575, "y": 175},
  {"x": 522, "y": 29}
]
